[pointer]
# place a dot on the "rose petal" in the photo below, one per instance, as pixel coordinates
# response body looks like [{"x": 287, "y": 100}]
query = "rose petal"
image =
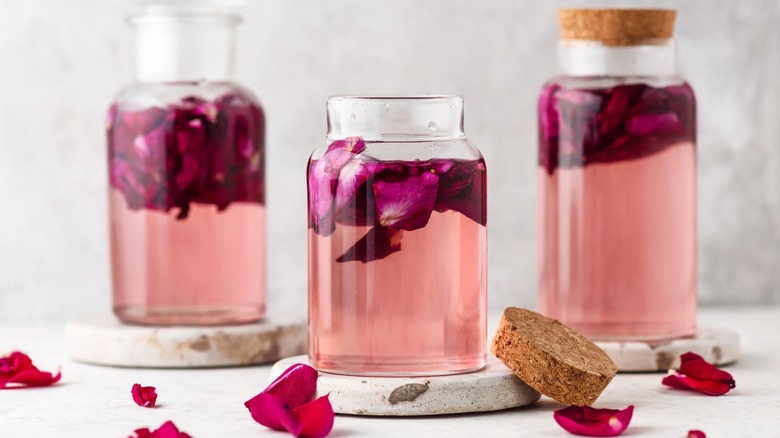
[
  {"x": 699, "y": 375},
  {"x": 144, "y": 396},
  {"x": 17, "y": 369},
  {"x": 696, "y": 434},
  {"x": 286, "y": 404},
  {"x": 463, "y": 189},
  {"x": 272, "y": 412},
  {"x": 406, "y": 204},
  {"x": 316, "y": 418},
  {"x": 352, "y": 176},
  {"x": 377, "y": 244},
  {"x": 587, "y": 421},
  {"x": 655, "y": 124},
  {"x": 167, "y": 430}
]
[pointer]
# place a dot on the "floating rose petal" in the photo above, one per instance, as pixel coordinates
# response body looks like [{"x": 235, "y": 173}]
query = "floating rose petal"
[
  {"x": 167, "y": 430},
  {"x": 696, "y": 434},
  {"x": 286, "y": 404},
  {"x": 144, "y": 396},
  {"x": 17, "y": 370},
  {"x": 587, "y": 421},
  {"x": 406, "y": 204},
  {"x": 377, "y": 244},
  {"x": 463, "y": 189},
  {"x": 655, "y": 124},
  {"x": 699, "y": 375}
]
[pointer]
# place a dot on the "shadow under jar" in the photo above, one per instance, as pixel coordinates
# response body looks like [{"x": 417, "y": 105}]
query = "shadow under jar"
[
  {"x": 186, "y": 172},
  {"x": 397, "y": 240},
  {"x": 617, "y": 184}
]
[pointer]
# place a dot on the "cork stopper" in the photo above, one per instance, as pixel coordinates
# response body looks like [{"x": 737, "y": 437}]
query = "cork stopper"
[
  {"x": 552, "y": 358},
  {"x": 617, "y": 27}
]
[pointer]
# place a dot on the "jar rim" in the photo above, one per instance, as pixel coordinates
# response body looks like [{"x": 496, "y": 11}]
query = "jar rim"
[{"x": 395, "y": 98}]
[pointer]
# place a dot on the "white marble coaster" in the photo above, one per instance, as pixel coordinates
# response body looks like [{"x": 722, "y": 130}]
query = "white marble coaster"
[
  {"x": 106, "y": 341},
  {"x": 717, "y": 346},
  {"x": 490, "y": 389}
]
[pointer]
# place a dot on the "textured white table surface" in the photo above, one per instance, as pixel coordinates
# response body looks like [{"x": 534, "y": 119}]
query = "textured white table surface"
[{"x": 93, "y": 401}]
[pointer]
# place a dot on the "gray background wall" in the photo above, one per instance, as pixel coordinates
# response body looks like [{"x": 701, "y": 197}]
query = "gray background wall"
[{"x": 61, "y": 62}]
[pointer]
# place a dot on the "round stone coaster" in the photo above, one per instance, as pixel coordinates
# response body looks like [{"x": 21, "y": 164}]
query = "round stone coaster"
[
  {"x": 490, "y": 389},
  {"x": 106, "y": 341},
  {"x": 717, "y": 346}
]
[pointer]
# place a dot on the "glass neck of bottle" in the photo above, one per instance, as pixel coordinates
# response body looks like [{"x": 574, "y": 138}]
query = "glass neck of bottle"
[
  {"x": 592, "y": 58},
  {"x": 184, "y": 47},
  {"x": 396, "y": 119}
]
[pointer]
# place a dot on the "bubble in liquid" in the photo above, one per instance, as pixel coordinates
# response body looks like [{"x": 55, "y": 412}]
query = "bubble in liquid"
[
  {"x": 432, "y": 126},
  {"x": 434, "y": 147}
]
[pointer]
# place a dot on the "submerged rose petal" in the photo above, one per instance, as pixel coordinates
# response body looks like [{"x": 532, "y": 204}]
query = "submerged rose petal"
[
  {"x": 696, "y": 434},
  {"x": 17, "y": 370},
  {"x": 587, "y": 421},
  {"x": 699, "y": 375},
  {"x": 286, "y": 404},
  {"x": 406, "y": 204},
  {"x": 655, "y": 124},
  {"x": 463, "y": 189},
  {"x": 144, "y": 396},
  {"x": 167, "y": 430},
  {"x": 377, "y": 244}
]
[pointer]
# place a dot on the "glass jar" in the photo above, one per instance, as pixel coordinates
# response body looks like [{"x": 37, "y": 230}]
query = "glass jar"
[
  {"x": 186, "y": 169},
  {"x": 397, "y": 240},
  {"x": 617, "y": 180}
]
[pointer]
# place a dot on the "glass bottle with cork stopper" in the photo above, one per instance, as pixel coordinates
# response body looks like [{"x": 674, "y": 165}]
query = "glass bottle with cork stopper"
[{"x": 617, "y": 179}]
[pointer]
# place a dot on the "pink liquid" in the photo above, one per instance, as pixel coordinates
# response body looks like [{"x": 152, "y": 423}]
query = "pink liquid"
[
  {"x": 207, "y": 269},
  {"x": 618, "y": 246},
  {"x": 421, "y": 310}
]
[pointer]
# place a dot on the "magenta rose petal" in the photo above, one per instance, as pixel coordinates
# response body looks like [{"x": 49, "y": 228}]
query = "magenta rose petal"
[
  {"x": 377, "y": 244},
  {"x": 17, "y": 370},
  {"x": 655, "y": 124},
  {"x": 144, "y": 396},
  {"x": 406, "y": 204},
  {"x": 587, "y": 421},
  {"x": 696, "y": 434},
  {"x": 316, "y": 418},
  {"x": 321, "y": 196},
  {"x": 272, "y": 412},
  {"x": 699, "y": 375},
  {"x": 351, "y": 177},
  {"x": 463, "y": 189},
  {"x": 167, "y": 430},
  {"x": 286, "y": 404}
]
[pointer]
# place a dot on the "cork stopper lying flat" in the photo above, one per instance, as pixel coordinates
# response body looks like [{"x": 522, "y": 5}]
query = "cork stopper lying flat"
[
  {"x": 552, "y": 358},
  {"x": 617, "y": 27}
]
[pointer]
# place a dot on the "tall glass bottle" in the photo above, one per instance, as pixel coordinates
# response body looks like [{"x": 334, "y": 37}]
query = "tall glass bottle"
[
  {"x": 617, "y": 179},
  {"x": 397, "y": 240},
  {"x": 186, "y": 171}
]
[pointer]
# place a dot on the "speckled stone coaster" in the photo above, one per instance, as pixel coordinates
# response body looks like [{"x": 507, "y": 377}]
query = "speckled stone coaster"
[
  {"x": 490, "y": 389},
  {"x": 106, "y": 341},
  {"x": 717, "y": 346}
]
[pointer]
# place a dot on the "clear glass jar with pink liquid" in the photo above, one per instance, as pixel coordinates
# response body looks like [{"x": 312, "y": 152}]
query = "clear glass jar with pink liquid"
[
  {"x": 397, "y": 240},
  {"x": 186, "y": 172},
  {"x": 617, "y": 180}
]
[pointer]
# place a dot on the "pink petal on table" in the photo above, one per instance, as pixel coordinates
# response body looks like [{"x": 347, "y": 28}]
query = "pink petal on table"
[
  {"x": 587, "y": 421},
  {"x": 406, "y": 204},
  {"x": 699, "y": 375},
  {"x": 271, "y": 411},
  {"x": 696, "y": 434},
  {"x": 167, "y": 430},
  {"x": 17, "y": 369},
  {"x": 316, "y": 418},
  {"x": 144, "y": 396}
]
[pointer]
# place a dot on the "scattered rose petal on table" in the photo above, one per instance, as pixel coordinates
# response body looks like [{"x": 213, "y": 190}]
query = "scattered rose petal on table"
[
  {"x": 696, "y": 374},
  {"x": 167, "y": 430},
  {"x": 286, "y": 404},
  {"x": 696, "y": 434},
  {"x": 587, "y": 421},
  {"x": 144, "y": 396},
  {"x": 17, "y": 370}
]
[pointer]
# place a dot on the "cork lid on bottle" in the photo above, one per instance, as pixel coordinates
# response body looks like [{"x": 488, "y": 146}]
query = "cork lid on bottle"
[
  {"x": 552, "y": 358},
  {"x": 617, "y": 27}
]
